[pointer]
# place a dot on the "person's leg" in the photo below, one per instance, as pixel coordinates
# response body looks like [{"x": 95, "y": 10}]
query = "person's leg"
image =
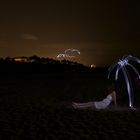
[
  {"x": 113, "y": 94},
  {"x": 83, "y": 105}
]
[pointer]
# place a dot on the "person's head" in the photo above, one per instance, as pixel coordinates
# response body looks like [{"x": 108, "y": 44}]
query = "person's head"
[{"x": 111, "y": 88}]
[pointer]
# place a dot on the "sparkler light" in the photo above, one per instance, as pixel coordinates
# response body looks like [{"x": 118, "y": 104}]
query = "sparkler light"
[
  {"x": 121, "y": 65},
  {"x": 69, "y": 53},
  {"x": 61, "y": 55}
]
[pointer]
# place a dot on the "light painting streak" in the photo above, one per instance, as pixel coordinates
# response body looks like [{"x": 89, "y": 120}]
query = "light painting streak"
[
  {"x": 69, "y": 53},
  {"x": 121, "y": 65}
]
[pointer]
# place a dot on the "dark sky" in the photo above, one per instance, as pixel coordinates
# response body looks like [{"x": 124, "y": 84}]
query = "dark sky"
[{"x": 102, "y": 30}]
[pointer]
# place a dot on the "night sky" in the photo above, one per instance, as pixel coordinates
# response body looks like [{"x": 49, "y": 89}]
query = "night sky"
[{"x": 102, "y": 31}]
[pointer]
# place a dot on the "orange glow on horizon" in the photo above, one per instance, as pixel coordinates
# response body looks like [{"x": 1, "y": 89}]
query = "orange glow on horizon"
[{"x": 22, "y": 59}]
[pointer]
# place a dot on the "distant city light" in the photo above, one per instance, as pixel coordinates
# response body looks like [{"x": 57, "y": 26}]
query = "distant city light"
[
  {"x": 22, "y": 59},
  {"x": 93, "y": 66}
]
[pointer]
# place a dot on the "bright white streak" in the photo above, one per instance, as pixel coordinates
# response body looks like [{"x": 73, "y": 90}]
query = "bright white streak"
[
  {"x": 69, "y": 53},
  {"x": 121, "y": 65}
]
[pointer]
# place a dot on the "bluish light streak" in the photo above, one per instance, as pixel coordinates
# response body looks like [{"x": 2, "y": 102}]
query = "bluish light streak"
[{"x": 121, "y": 65}]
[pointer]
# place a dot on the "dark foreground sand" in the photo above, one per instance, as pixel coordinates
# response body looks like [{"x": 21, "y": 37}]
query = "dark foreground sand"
[
  {"x": 43, "y": 122},
  {"x": 39, "y": 107}
]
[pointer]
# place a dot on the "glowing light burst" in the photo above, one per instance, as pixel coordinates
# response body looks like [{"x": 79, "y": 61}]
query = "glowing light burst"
[
  {"x": 69, "y": 53},
  {"x": 121, "y": 65},
  {"x": 61, "y": 55}
]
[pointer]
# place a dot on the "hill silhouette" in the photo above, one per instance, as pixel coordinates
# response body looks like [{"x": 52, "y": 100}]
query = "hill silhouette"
[{"x": 35, "y": 64}]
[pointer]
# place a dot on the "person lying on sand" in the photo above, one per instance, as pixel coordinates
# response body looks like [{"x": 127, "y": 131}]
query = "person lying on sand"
[{"x": 111, "y": 97}]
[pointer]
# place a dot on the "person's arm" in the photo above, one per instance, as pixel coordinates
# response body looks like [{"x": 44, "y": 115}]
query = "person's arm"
[{"x": 114, "y": 98}]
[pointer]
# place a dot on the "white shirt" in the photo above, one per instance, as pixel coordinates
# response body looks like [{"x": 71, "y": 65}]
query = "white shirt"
[{"x": 104, "y": 103}]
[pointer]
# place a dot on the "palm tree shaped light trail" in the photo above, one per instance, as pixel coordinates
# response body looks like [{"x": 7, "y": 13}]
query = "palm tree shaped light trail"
[{"x": 121, "y": 65}]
